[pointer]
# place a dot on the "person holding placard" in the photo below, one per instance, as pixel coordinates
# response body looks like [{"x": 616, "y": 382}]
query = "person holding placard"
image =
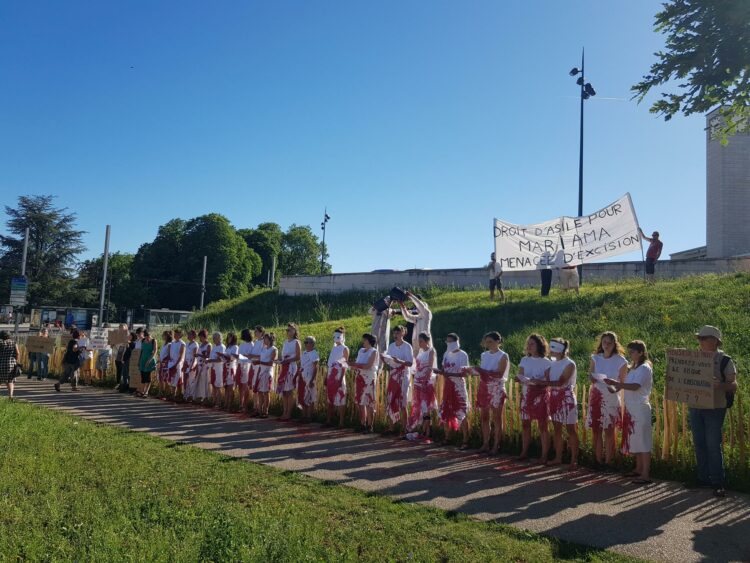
[
  {"x": 424, "y": 399},
  {"x": 563, "y": 406},
  {"x": 291, "y": 351},
  {"x": 399, "y": 358},
  {"x": 454, "y": 408},
  {"x": 706, "y": 424},
  {"x": 366, "y": 369},
  {"x": 604, "y": 409},
  {"x": 336, "y": 377},
  {"x": 637, "y": 433},
  {"x": 533, "y": 374},
  {"x": 493, "y": 373}
]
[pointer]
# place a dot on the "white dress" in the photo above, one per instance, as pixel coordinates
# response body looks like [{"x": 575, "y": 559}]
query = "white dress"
[
  {"x": 203, "y": 373},
  {"x": 307, "y": 390},
  {"x": 534, "y": 398},
  {"x": 335, "y": 379},
  {"x": 364, "y": 394},
  {"x": 218, "y": 368},
  {"x": 257, "y": 349},
  {"x": 189, "y": 369},
  {"x": 288, "y": 372},
  {"x": 423, "y": 400},
  {"x": 491, "y": 390},
  {"x": 563, "y": 406},
  {"x": 264, "y": 381},
  {"x": 455, "y": 404},
  {"x": 175, "y": 364},
  {"x": 637, "y": 434},
  {"x": 245, "y": 367},
  {"x": 604, "y": 410},
  {"x": 230, "y": 371},
  {"x": 399, "y": 377}
]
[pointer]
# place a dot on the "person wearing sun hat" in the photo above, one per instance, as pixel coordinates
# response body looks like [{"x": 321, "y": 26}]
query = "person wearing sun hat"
[{"x": 706, "y": 424}]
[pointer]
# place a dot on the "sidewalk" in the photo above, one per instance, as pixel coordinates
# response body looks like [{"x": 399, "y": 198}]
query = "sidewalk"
[{"x": 662, "y": 522}]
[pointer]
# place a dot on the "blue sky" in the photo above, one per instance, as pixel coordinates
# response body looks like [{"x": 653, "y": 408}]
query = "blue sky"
[{"x": 416, "y": 123}]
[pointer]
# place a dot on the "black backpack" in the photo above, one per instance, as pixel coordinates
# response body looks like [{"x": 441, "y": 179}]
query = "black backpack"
[{"x": 722, "y": 366}]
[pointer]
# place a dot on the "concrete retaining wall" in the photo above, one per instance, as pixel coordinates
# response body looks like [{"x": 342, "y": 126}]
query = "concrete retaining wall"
[{"x": 477, "y": 277}]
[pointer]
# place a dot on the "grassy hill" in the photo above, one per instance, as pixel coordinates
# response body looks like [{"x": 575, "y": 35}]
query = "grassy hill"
[{"x": 664, "y": 315}]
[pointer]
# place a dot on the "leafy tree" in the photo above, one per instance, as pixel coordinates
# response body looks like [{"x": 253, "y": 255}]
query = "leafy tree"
[
  {"x": 265, "y": 240},
  {"x": 708, "y": 53},
  {"x": 122, "y": 289},
  {"x": 156, "y": 265},
  {"x": 300, "y": 252},
  {"x": 54, "y": 245}
]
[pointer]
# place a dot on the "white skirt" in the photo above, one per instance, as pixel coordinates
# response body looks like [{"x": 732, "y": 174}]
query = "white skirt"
[{"x": 637, "y": 434}]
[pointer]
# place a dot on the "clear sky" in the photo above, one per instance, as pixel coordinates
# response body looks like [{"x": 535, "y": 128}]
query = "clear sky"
[{"x": 416, "y": 123}]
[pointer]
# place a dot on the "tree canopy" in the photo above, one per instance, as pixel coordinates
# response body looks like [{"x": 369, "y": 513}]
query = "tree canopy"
[
  {"x": 54, "y": 246},
  {"x": 300, "y": 252},
  {"x": 708, "y": 56}
]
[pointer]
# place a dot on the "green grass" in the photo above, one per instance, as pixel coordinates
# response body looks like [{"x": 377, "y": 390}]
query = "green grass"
[
  {"x": 74, "y": 490},
  {"x": 664, "y": 315}
]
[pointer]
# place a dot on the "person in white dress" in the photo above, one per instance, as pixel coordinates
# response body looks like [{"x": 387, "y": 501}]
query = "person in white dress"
[
  {"x": 493, "y": 374},
  {"x": 201, "y": 391},
  {"x": 366, "y": 369},
  {"x": 424, "y": 399},
  {"x": 189, "y": 369},
  {"x": 563, "y": 406},
  {"x": 307, "y": 385},
  {"x": 268, "y": 355},
  {"x": 245, "y": 369},
  {"x": 637, "y": 434},
  {"x": 176, "y": 360},
  {"x": 231, "y": 358},
  {"x": 399, "y": 357},
  {"x": 291, "y": 351},
  {"x": 335, "y": 378},
  {"x": 604, "y": 408},
  {"x": 258, "y": 333},
  {"x": 218, "y": 368},
  {"x": 422, "y": 320},
  {"x": 455, "y": 404},
  {"x": 533, "y": 370}
]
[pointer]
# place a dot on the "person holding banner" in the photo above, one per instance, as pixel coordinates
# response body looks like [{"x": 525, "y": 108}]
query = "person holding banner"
[
  {"x": 454, "y": 408},
  {"x": 637, "y": 434},
  {"x": 335, "y": 379},
  {"x": 533, "y": 375},
  {"x": 399, "y": 358},
  {"x": 652, "y": 254},
  {"x": 563, "y": 406},
  {"x": 604, "y": 409},
  {"x": 493, "y": 373},
  {"x": 706, "y": 424}
]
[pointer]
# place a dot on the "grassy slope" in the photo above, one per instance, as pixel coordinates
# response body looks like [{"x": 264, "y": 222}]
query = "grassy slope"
[
  {"x": 665, "y": 315},
  {"x": 74, "y": 490}
]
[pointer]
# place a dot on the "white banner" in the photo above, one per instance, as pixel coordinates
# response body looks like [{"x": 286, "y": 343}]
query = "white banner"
[{"x": 568, "y": 241}]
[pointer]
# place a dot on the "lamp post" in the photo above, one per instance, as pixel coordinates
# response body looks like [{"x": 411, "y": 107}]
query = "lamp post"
[
  {"x": 326, "y": 218},
  {"x": 587, "y": 90}
]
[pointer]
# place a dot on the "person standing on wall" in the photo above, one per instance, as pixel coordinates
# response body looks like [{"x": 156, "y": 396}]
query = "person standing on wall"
[
  {"x": 652, "y": 254},
  {"x": 495, "y": 271},
  {"x": 706, "y": 424}
]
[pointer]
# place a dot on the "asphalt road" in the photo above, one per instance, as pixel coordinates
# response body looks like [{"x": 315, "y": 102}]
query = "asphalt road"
[{"x": 663, "y": 521}]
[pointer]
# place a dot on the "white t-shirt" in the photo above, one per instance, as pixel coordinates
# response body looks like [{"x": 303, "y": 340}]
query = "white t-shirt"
[
  {"x": 216, "y": 350},
  {"x": 246, "y": 349},
  {"x": 337, "y": 354},
  {"x": 494, "y": 269},
  {"x": 491, "y": 362},
  {"x": 644, "y": 376},
  {"x": 403, "y": 352},
  {"x": 267, "y": 353},
  {"x": 559, "y": 366},
  {"x": 363, "y": 357}
]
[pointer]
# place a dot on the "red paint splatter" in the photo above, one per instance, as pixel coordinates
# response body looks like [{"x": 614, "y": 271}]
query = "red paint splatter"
[
  {"x": 333, "y": 383},
  {"x": 595, "y": 409},
  {"x": 534, "y": 403},
  {"x": 395, "y": 397},
  {"x": 628, "y": 426}
]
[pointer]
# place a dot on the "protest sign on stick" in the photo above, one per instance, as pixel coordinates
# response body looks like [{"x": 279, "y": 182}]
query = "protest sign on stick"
[{"x": 690, "y": 378}]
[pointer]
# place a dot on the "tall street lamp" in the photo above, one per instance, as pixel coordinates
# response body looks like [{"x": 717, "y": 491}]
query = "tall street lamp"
[
  {"x": 326, "y": 218},
  {"x": 587, "y": 91}
]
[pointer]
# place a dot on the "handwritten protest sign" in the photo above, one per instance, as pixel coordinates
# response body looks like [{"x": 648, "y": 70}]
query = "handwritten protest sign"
[
  {"x": 690, "y": 378},
  {"x": 117, "y": 336},
  {"x": 568, "y": 241},
  {"x": 40, "y": 345},
  {"x": 98, "y": 338}
]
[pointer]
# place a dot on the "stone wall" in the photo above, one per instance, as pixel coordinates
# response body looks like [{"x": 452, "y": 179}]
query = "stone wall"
[{"x": 477, "y": 277}]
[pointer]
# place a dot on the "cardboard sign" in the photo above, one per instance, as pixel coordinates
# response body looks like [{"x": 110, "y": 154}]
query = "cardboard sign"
[
  {"x": 690, "y": 378},
  {"x": 134, "y": 368},
  {"x": 40, "y": 344},
  {"x": 99, "y": 338},
  {"x": 117, "y": 336}
]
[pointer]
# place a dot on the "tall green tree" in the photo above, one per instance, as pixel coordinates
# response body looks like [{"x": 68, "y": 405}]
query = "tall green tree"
[
  {"x": 706, "y": 63},
  {"x": 54, "y": 246},
  {"x": 122, "y": 291},
  {"x": 264, "y": 240},
  {"x": 300, "y": 252},
  {"x": 156, "y": 266}
]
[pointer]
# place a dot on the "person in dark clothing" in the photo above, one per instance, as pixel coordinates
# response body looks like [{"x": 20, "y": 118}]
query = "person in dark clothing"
[{"x": 70, "y": 366}]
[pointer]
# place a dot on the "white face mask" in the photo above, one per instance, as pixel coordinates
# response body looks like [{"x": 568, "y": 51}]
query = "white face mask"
[
  {"x": 338, "y": 338},
  {"x": 453, "y": 346}
]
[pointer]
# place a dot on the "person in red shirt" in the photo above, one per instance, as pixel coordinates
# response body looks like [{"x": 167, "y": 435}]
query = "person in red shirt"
[{"x": 652, "y": 254}]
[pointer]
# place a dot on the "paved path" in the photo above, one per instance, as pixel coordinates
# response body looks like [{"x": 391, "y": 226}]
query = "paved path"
[{"x": 662, "y": 522}]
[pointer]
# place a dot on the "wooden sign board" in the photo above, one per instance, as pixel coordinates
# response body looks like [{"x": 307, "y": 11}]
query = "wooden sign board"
[
  {"x": 690, "y": 378},
  {"x": 40, "y": 344},
  {"x": 117, "y": 336},
  {"x": 134, "y": 368}
]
